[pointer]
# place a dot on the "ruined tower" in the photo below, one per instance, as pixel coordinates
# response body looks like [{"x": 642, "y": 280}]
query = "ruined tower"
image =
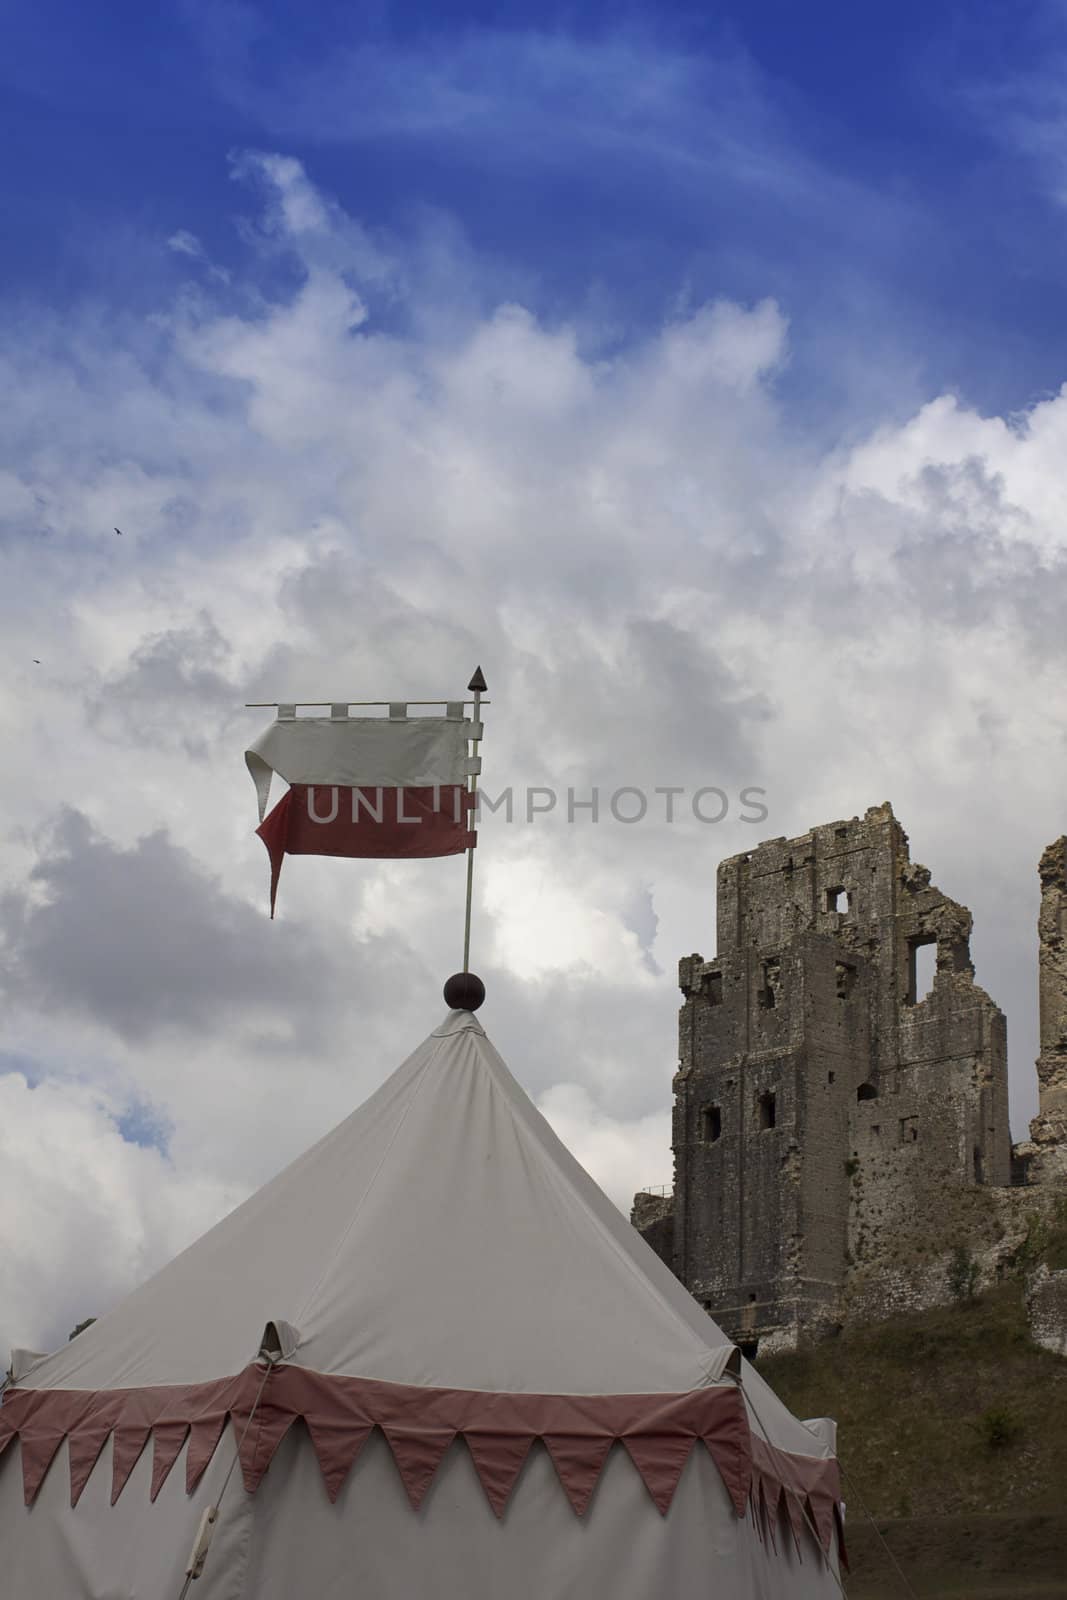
[
  {"x": 809, "y": 1060},
  {"x": 1047, "y": 1156}
]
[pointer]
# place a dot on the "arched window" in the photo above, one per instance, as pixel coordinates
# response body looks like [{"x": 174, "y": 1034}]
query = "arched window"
[{"x": 866, "y": 1091}]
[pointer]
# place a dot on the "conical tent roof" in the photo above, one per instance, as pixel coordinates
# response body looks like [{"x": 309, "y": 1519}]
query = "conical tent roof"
[
  {"x": 438, "y": 1265},
  {"x": 440, "y": 1235}
]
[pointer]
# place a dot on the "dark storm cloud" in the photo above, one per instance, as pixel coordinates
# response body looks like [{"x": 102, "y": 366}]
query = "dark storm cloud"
[
  {"x": 611, "y": 699},
  {"x": 174, "y": 694},
  {"x": 620, "y": 1042},
  {"x": 145, "y": 940}
]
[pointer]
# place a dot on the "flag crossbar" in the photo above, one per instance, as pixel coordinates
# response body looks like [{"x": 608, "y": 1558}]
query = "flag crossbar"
[{"x": 272, "y": 705}]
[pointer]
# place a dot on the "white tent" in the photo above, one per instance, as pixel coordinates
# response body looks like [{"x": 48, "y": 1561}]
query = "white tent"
[{"x": 476, "y": 1381}]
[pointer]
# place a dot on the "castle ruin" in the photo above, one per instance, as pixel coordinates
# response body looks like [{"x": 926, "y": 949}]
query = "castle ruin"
[
  {"x": 1045, "y": 1157},
  {"x": 838, "y": 1133}
]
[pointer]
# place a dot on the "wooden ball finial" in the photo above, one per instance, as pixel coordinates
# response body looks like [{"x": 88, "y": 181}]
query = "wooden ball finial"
[{"x": 464, "y": 991}]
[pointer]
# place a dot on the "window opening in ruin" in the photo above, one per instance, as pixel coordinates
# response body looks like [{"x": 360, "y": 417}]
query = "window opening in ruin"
[
  {"x": 772, "y": 982},
  {"x": 837, "y": 900},
  {"x": 845, "y": 975},
  {"x": 711, "y": 1124},
  {"x": 829, "y": 1077},
  {"x": 748, "y": 1348},
  {"x": 752, "y": 1299},
  {"x": 713, "y": 988},
  {"x": 922, "y": 965},
  {"x": 766, "y": 1107},
  {"x": 866, "y": 1091},
  {"x": 876, "y": 1127},
  {"x": 909, "y": 1130},
  {"x": 840, "y": 833},
  {"x": 976, "y": 1156}
]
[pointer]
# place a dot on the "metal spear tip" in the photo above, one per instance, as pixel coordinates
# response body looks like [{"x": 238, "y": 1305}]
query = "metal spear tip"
[
  {"x": 478, "y": 684},
  {"x": 464, "y": 991}
]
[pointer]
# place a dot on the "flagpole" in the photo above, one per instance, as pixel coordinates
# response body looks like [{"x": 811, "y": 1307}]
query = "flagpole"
[{"x": 477, "y": 686}]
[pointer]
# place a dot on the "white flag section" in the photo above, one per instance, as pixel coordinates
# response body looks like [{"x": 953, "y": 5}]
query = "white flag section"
[
  {"x": 483, "y": 1385},
  {"x": 395, "y": 752}
]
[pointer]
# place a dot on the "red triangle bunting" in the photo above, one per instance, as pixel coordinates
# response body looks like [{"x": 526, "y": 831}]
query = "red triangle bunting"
[
  {"x": 795, "y": 1515},
  {"x": 840, "y": 1526},
  {"x": 821, "y": 1512},
  {"x": 258, "y": 1443},
  {"x": 204, "y": 1436},
  {"x": 420, "y": 1424},
  {"x": 418, "y": 1453},
  {"x": 167, "y": 1441},
  {"x": 126, "y": 1452},
  {"x": 498, "y": 1459},
  {"x": 337, "y": 1444},
  {"x": 768, "y": 1508},
  {"x": 84, "y": 1448},
  {"x": 660, "y": 1458},
  {"x": 38, "y": 1452},
  {"x": 579, "y": 1460}
]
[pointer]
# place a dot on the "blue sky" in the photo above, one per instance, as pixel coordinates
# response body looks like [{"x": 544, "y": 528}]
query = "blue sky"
[
  {"x": 897, "y": 171},
  {"x": 700, "y": 373}
]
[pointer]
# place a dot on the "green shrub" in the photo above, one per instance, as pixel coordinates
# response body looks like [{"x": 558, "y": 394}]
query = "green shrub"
[
  {"x": 963, "y": 1271},
  {"x": 1046, "y": 1240},
  {"x": 998, "y": 1428}
]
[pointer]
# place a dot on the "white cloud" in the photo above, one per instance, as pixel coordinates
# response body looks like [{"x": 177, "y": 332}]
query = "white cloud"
[
  {"x": 184, "y": 243},
  {"x": 612, "y": 1150},
  {"x": 541, "y": 924},
  {"x": 84, "y": 1212},
  {"x": 667, "y": 582}
]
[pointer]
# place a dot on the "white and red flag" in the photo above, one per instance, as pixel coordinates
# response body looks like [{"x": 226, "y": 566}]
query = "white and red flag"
[{"x": 386, "y": 787}]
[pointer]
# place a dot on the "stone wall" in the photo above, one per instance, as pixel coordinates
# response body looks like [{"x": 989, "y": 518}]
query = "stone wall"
[
  {"x": 653, "y": 1217},
  {"x": 963, "y": 1244},
  {"x": 1046, "y": 1304},
  {"x": 1045, "y": 1158}
]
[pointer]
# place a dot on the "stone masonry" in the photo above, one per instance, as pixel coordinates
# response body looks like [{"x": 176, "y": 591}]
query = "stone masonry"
[
  {"x": 837, "y": 1133},
  {"x": 1045, "y": 1157}
]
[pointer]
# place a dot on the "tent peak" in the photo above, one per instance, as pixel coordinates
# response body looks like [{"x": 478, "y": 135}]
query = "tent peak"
[{"x": 458, "y": 1022}]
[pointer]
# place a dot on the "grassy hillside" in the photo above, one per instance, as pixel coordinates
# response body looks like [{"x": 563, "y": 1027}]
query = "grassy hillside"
[
  {"x": 947, "y": 1411},
  {"x": 952, "y": 1429},
  {"x": 962, "y": 1558}
]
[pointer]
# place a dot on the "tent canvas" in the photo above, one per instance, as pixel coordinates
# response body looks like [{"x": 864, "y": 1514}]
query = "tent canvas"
[{"x": 477, "y": 1380}]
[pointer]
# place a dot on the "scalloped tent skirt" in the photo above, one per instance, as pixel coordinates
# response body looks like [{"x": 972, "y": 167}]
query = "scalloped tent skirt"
[{"x": 288, "y": 1540}]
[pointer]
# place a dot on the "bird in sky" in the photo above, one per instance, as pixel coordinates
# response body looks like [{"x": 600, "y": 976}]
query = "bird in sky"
[
  {"x": 36, "y": 662},
  {"x": 119, "y": 532}
]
